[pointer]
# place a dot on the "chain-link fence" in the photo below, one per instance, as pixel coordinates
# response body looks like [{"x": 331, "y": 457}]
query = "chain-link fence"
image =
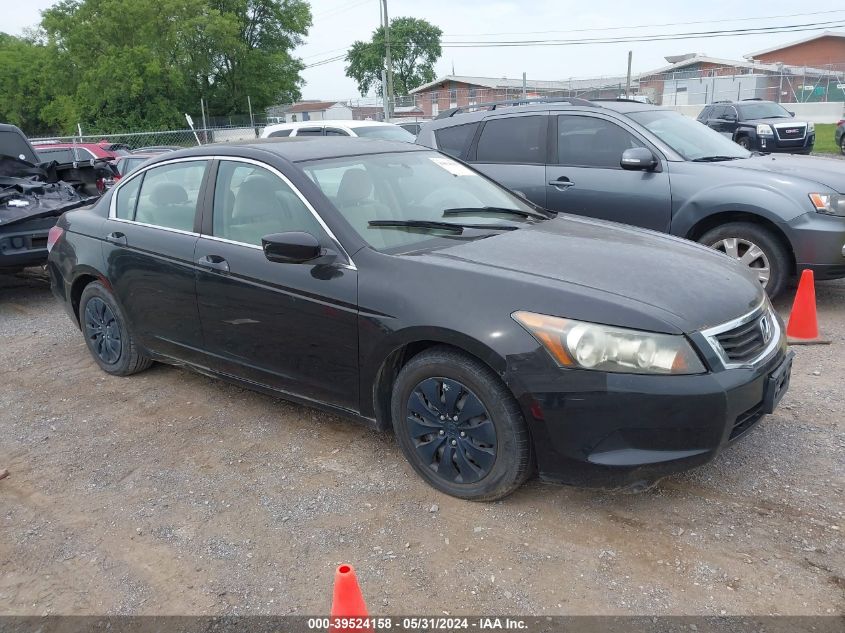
[{"x": 134, "y": 141}]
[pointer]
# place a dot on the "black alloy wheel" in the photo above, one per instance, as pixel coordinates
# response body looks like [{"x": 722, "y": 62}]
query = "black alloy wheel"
[
  {"x": 103, "y": 331},
  {"x": 451, "y": 430}
]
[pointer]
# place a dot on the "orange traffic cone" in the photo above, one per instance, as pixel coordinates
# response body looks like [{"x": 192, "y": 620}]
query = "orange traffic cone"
[
  {"x": 347, "y": 600},
  {"x": 803, "y": 326}
]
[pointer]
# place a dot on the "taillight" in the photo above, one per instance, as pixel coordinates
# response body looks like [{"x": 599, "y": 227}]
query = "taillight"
[
  {"x": 101, "y": 185},
  {"x": 53, "y": 236}
]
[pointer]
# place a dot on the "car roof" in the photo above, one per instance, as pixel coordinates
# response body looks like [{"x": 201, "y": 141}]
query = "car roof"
[
  {"x": 297, "y": 149},
  {"x": 333, "y": 122},
  {"x": 621, "y": 106}
]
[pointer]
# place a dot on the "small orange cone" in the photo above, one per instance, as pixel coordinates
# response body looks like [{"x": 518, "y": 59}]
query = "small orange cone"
[
  {"x": 803, "y": 326},
  {"x": 347, "y": 600}
]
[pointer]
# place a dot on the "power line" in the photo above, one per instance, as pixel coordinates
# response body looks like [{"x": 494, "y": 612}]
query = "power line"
[
  {"x": 640, "y": 26},
  {"x": 791, "y": 28}
]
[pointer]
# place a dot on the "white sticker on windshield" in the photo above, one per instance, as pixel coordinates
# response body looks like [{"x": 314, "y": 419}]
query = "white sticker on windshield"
[{"x": 453, "y": 167}]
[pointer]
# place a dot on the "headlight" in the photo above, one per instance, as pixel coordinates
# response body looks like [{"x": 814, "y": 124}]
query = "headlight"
[
  {"x": 612, "y": 349},
  {"x": 830, "y": 203},
  {"x": 764, "y": 129},
  {"x": 811, "y": 127}
]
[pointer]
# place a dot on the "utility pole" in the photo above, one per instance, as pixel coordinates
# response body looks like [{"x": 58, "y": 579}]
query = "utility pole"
[
  {"x": 249, "y": 105},
  {"x": 524, "y": 85},
  {"x": 628, "y": 81},
  {"x": 387, "y": 61}
]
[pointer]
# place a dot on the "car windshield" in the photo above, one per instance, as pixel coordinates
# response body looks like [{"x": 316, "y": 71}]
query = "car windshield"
[
  {"x": 389, "y": 132},
  {"x": 403, "y": 186},
  {"x": 764, "y": 110},
  {"x": 688, "y": 137}
]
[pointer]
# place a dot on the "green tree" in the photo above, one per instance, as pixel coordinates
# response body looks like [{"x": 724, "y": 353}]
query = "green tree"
[
  {"x": 127, "y": 64},
  {"x": 32, "y": 95},
  {"x": 414, "y": 49}
]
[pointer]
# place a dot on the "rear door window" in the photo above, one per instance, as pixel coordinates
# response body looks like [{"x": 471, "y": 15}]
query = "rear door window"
[
  {"x": 279, "y": 133},
  {"x": 169, "y": 195},
  {"x": 127, "y": 198},
  {"x": 309, "y": 131},
  {"x": 455, "y": 140},
  {"x": 514, "y": 140},
  {"x": 332, "y": 131}
]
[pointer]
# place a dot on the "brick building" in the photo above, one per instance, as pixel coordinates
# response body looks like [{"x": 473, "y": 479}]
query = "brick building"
[
  {"x": 453, "y": 91},
  {"x": 819, "y": 50}
]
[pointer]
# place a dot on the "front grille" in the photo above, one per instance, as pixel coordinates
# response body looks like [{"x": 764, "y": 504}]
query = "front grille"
[
  {"x": 746, "y": 342},
  {"x": 791, "y": 132},
  {"x": 746, "y": 420}
]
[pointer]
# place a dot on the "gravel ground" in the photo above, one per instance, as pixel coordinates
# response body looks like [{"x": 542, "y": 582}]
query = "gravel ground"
[{"x": 171, "y": 493}]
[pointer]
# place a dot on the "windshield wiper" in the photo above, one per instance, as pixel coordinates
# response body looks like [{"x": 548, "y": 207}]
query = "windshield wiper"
[
  {"x": 504, "y": 210},
  {"x": 434, "y": 225},
  {"x": 714, "y": 159}
]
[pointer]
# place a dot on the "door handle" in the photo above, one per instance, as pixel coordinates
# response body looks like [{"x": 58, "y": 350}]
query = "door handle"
[
  {"x": 117, "y": 238},
  {"x": 562, "y": 183},
  {"x": 214, "y": 262}
]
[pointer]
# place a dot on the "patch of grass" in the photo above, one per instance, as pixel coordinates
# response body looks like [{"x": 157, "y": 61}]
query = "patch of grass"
[{"x": 825, "y": 143}]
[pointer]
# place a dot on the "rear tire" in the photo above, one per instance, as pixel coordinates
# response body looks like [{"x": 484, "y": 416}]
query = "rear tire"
[
  {"x": 739, "y": 239},
  {"x": 460, "y": 427},
  {"x": 842, "y": 145},
  {"x": 106, "y": 333}
]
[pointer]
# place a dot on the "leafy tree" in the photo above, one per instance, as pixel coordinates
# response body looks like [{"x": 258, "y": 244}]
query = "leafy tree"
[
  {"x": 414, "y": 49},
  {"x": 123, "y": 64}
]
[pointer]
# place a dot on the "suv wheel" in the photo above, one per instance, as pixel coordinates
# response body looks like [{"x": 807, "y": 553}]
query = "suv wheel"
[
  {"x": 459, "y": 426},
  {"x": 744, "y": 142},
  {"x": 757, "y": 248},
  {"x": 106, "y": 333}
]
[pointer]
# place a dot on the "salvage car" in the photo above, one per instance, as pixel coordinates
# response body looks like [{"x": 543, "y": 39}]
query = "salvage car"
[
  {"x": 392, "y": 284},
  {"x": 652, "y": 167},
  {"x": 32, "y": 196}
]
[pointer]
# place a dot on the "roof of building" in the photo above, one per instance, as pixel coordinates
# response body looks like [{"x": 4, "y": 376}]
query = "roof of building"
[
  {"x": 312, "y": 106},
  {"x": 530, "y": 84},
  {"x": 804, "y": 40},
  {"x": 700, "y": 58}
]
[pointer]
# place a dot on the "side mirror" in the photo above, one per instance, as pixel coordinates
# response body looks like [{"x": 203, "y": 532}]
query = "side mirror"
[
  {"x": 294, "y": 247},
  {"x": 638, "y": 158},
  {"x": 791, "y": 113}
]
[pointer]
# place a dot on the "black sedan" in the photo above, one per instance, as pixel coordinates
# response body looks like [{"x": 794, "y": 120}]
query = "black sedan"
[{"x": 393, "y": 284}]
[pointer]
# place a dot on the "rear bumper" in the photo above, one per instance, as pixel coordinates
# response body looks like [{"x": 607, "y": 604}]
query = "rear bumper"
[
  {"x": 818, "y": 242},
  {"x": 24, "y": 244},
  {"x": 616, "y": 430}
]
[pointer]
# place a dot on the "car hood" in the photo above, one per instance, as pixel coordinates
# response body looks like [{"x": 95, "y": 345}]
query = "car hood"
[
  {"x": 683, "y": 284},
  {"x": 829, "y": 172}
]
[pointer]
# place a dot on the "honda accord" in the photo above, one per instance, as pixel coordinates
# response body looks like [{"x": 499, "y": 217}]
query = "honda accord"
[{"x": 390, "y": 283}]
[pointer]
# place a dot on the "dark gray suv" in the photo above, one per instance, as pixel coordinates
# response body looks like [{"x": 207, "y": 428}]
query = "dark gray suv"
[{"x": 652, "y": 167}]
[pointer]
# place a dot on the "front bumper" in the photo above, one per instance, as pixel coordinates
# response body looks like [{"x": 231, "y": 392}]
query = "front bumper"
[
  {"x": 775, "y": 144},
  {"x": 624, "y": 430},
  {"x": 818, "y": 242}
]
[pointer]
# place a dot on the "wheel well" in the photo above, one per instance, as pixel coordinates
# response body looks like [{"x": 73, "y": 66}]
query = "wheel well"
[
  {"x": 76, "y": 290},
  {"x": 718, "y": 219},
  {"x": 390, "y": 369}
]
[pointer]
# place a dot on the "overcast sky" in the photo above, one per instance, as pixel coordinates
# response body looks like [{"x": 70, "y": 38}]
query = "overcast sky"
[{"x": 338, "y": 23}]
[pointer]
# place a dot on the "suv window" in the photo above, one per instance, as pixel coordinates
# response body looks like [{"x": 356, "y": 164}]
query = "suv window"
[
  {"x": 251, "y": 202},
  {"x": 169, "y": 195},
  {"x": 309, "y": 131},
  {"x": 280, "y": 133},
  {"x": 516, "y": 140},
  {"x": 331, "y": 131},
  {"x": 456, "y": 139},
  {"x": 591, "y": 142}
]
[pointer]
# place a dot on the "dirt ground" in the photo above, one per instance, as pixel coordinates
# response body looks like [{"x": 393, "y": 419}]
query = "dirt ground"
[{"x": 171, "y": 493}]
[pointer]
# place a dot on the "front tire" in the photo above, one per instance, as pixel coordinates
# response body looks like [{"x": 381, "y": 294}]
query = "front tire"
[
  {"x": 757, "y": 248},
  {"x": 842, "y": 145},
  {"x": 745, "y": 143},
  {"x": 460, "y": 427},
  {"x": 106, "y": 333}
]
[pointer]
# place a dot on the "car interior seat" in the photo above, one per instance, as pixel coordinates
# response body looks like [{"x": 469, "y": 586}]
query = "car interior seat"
[
  {"x": 259, "y": 209},
  {"x": 167, "y": 205}
]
